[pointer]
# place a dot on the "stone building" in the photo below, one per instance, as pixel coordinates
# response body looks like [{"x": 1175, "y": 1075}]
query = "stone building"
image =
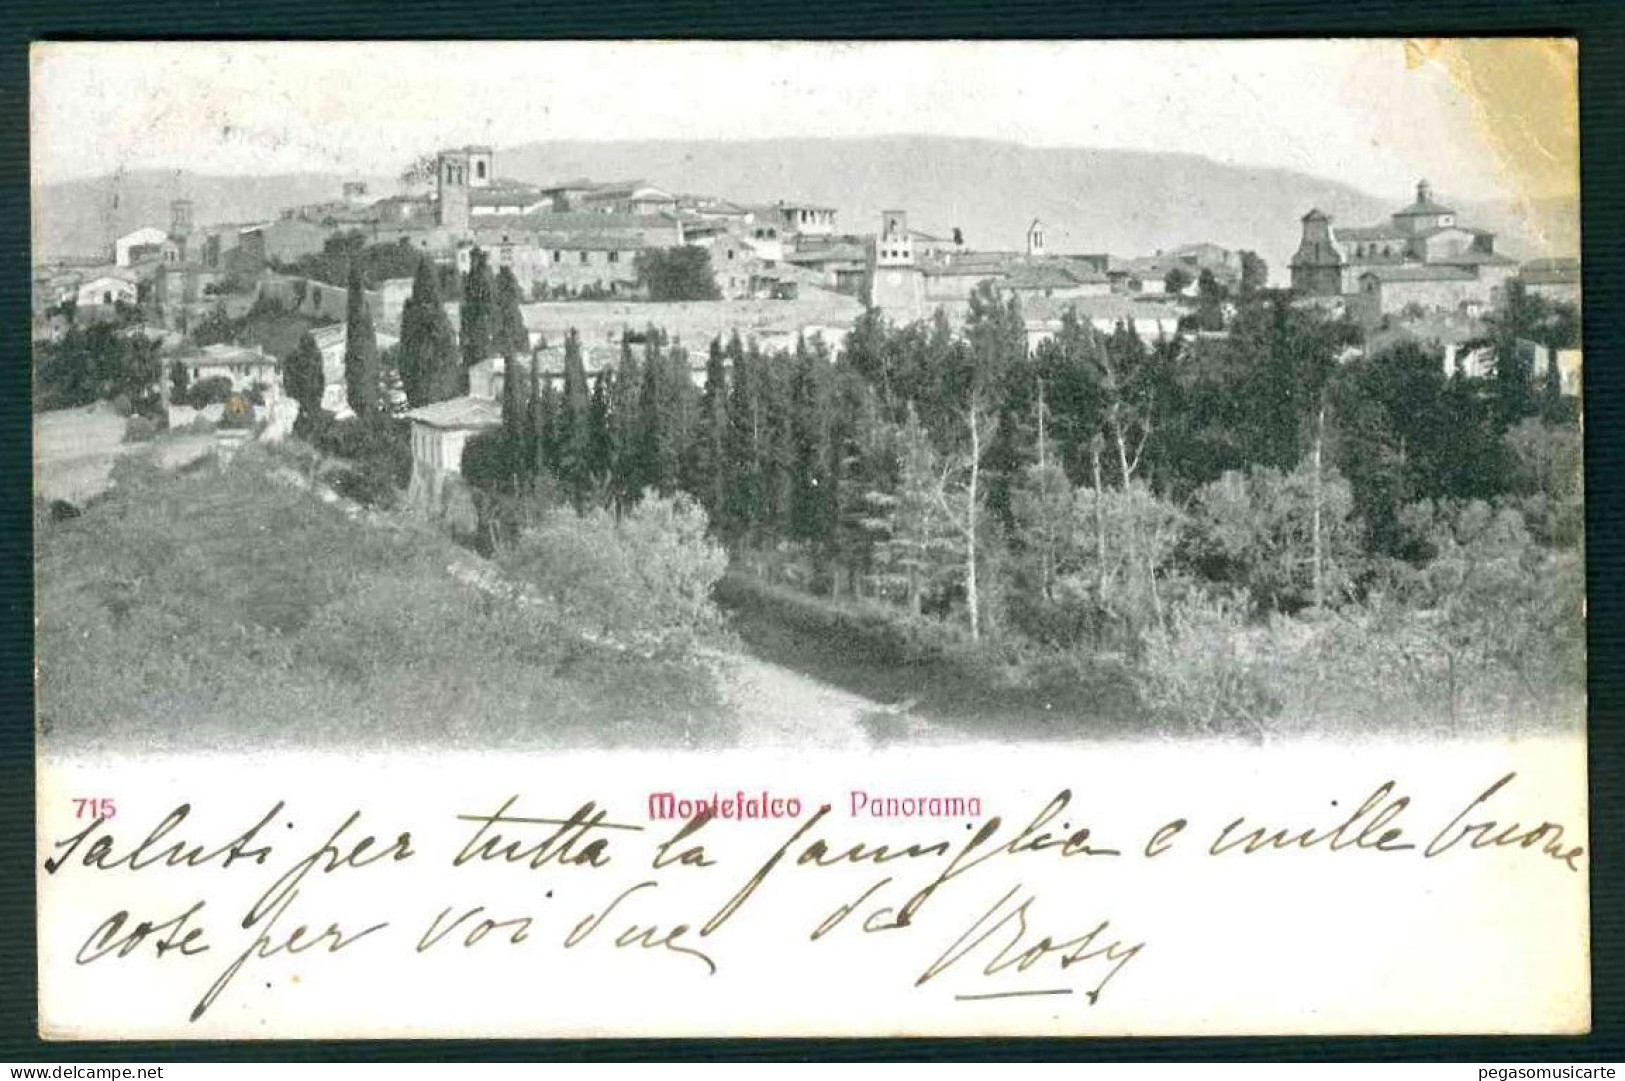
[
  {"x": 1421, "y": 256},
  {"x": 1554, "y": 279},
  {"x": 911, "y": 275},
  {"x": 797, "y": 218}
]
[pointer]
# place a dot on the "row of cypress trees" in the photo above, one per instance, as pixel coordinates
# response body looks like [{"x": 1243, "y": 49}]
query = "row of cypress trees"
[{"x": 432, "y": 361}]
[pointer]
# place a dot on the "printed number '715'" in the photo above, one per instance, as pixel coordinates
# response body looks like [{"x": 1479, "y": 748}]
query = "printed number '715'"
[{"x": 94, "y": 808}]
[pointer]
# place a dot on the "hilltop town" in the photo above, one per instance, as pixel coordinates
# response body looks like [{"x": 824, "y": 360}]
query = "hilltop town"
[{"x": 777, "y": 272}]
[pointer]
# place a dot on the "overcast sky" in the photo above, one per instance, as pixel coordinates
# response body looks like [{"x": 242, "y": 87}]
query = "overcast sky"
[{"x": 1354, "y": 111}]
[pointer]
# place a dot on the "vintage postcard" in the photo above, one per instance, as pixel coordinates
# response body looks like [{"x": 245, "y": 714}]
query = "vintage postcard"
[{"x": 809, "y": 539}]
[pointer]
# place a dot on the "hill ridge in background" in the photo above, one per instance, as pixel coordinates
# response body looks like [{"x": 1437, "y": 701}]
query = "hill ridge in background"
[{"x": 1126, "y": 202}]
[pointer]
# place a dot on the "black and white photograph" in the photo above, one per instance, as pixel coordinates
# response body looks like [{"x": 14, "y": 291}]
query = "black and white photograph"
[{"x": 642, "y": 404}]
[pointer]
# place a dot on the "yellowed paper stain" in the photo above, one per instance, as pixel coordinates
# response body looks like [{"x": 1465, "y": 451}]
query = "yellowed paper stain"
[{"x": 1525, "y": 93}]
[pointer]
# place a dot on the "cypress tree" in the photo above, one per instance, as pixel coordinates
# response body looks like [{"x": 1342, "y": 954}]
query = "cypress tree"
[
  {"x": 812, "y": 470},
  {"x": 709, "y": 474},
  {"x": 574, "y": 465},
  {"x": 509, "y": 336},
  {"x": 304, "y": 381},
  {"x": 361, "y": 373},
  {"x": 515, "y": 413},
  {"x": 535, "y": 452},
  {"x": 776, "y": 449},
  {"x": 746, "y": 437},
  {"x": 653, "y": 443},
  {"x": 547, "y": 430},
  {"x": 478, "y": 314},
  {"x": 682, "y": 407},
  {"x": 625, "y": 395},
  {"x": 430, "y": 368},
  {"x": 600, "y": 444}
]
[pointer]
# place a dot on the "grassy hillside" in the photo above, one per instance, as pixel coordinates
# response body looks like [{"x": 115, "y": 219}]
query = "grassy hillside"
[{"x": 217, "y": 609}]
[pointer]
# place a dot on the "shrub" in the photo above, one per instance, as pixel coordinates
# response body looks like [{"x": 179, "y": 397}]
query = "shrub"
[
  {"x": 378, "y": 452},
  {"x": 1547, "y": 472},
  {"x": 215, "y": 390},
  {"x": 142, "y": 429},
  {"x": 643, "y": 581},
  {"x": 1254, "y": 531},
  {"x": 1504, "y": 615},
  {"x": 1091, "y": 567},
  {"x": 366, "y": 485},
  {"x": 1198, "y": 674}
]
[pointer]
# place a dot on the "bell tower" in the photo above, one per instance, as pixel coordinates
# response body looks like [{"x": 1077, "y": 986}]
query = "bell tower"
[
  {"x": 894, "y": 247},
  {"x": 453, "y": 178},
  {"x": 1035, "y": 238},
  {"x": 895, "y": 286},
  {"x": 180, "y": 218}
]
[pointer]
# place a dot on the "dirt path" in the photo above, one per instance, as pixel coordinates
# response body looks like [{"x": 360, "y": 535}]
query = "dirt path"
[{"x": 780, "y": 707}]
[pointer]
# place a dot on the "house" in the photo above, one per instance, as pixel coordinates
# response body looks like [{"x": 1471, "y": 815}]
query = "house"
[
  {"x": 801, "y": 219},
  {"x": 246, "y": 367},
  {"x": 565, "y": 264},
  {"x": 1151, "y": 320},
  {"x": 1568, "y": 363},
  {"x": 440, "y": 433},
  {"x": 840, "y": 262},
  {"x": 734, "y": 264},
  {"x": 568, "y": 195},
  {"x": 286, "y": 240},
  {"x": 555, "y": 252},
  {"x": 912, "y": 274},
  {"x": 53, "y": 286},
  {"x": 1554, "y": 279},
  {"x": 1053, "y": 278},
  {"x": 324, "y": 301},
  {"x": 1422, "y": 248},
  {"x": 107, "y": 289},
  {"x": 711, "y": 208},
  {"x": 508, "y": 197},
  {"x": 130, "y": 247},
  {"x": 627, "y": 197},
  {"x": 1390, "y": 290}
]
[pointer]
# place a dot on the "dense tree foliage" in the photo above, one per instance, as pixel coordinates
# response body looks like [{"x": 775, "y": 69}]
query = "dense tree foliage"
[
  {"x": 100, "y": 362},
  {"x": 676, "y": 273},
  {"x": 349, "y": 252},
  {"x": 1100, "y": 492}
]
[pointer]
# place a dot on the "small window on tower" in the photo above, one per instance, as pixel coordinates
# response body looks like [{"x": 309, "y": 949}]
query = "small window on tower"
[{"x": 479, "y": 169}]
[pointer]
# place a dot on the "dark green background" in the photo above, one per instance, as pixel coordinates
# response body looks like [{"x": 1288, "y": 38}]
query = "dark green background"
[{"x": 1598, "y": 24}]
